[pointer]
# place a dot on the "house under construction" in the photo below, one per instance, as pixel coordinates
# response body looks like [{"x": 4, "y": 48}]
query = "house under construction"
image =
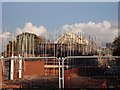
[{"x": 30, "y": 45}]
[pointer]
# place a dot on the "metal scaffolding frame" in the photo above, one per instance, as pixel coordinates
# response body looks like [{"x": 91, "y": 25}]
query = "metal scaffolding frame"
[{"x": 26, "y": 50}]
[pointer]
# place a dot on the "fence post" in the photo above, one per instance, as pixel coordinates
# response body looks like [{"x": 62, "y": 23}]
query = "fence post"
[
  {"x": 63, "y": 59},
  {"x": 12, "y": 68},
  {"x": 1, "y": 72},
  {"x": 59, "y": 74},
  {"x": 20, "y": 66}
]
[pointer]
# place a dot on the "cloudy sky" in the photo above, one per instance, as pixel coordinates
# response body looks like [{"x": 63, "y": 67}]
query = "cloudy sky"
[{"x": 95, "y": 18}]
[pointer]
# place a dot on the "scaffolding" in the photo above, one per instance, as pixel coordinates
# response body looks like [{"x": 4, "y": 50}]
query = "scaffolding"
[{"x": 58, "y": 54}]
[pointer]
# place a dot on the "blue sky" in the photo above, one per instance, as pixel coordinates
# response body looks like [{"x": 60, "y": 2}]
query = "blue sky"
[
  {"x": 0, "y": 16},
  {"x": 55, "y": 15},
  {"x": 60, "y": 0}
]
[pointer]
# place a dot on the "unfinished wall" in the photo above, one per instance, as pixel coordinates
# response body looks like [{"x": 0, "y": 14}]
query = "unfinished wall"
[
  {"x": 33, "y": 68},
  {"x": 1, "y": 71},
  {"x": 51, "y": 71}
]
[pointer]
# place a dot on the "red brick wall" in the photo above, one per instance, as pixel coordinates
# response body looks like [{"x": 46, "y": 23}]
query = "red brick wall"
[
  {"x": 1, "y": 72},
  {"x": 33, "y": 68},
  {"x": 16, "y": 65},
  {"x": 52, "y": 72}
]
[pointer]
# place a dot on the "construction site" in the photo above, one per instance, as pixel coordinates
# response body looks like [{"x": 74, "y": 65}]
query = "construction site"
[{"x": 71, "y": 60}]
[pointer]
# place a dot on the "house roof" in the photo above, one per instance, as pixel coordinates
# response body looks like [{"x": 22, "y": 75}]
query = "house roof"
[{"x": 71, "y": 37}]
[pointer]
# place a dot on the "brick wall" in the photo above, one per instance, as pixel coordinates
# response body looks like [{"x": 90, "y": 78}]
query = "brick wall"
[
  {"x": 33, "y": 68},
  {"x": 1, "y": 76}
]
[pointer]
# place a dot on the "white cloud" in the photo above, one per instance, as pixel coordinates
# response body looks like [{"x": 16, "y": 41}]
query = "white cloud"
[
  {"x": 40, "y": 31},
  {"x": 104, "y": 31},
  {"x": 4, "y": 38},
  {"x": 5, "y": 34}
]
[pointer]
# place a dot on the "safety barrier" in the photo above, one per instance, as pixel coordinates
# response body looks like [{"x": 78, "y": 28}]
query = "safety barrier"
[{"x": 67, "y": 72}]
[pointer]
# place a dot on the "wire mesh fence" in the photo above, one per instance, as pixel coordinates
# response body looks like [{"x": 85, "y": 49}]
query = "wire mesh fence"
[
  {"x": 35, "y": 72},
  {"x": 92, "y": 72},
  {"x": 69, "y": 72}
]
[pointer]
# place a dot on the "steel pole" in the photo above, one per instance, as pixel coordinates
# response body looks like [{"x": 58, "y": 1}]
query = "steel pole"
[
  {"x": 12, "y": 68},
  {"x": 59, "y": 74},
  {"x": 63, "y": 72},
  {"x": 20, "y": 66}
]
